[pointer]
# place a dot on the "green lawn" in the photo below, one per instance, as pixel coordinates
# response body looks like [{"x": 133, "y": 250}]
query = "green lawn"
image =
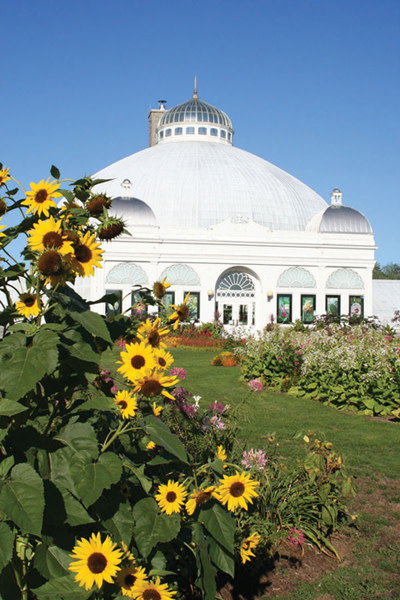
[
  {"x": 367, "y": 445},
  {"x": 371, "y": 451}
]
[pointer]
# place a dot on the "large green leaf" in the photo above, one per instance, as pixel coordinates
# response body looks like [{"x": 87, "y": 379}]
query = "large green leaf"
[
  {"x": 62, "y": 588},
  {"x": 79, "y": 437},
  {"x": 9, "y": 408},
  {"x": 76, "y": 514},
  {"x": 22, "y": 499},
  {"x": 138, "y": 471},
  {"x": 153, "y": 527},
  {"x": 120, "y": 525},
  {"x": 223, "y": 560},
  {"x": 205, "y": 569},
  {"x": 52, "y": 561},
  {"x": 6, "y": 545},
  {"x": 91, "y": 479},
  {"x": 93, "y": 323},
  {"x": 27, "y": 366},
  {"x": 161, "y": 435},
  {"x": 220, "y": 524}
]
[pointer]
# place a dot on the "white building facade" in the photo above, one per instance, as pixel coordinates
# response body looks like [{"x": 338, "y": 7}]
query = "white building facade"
[{"x": 250, "y": 242}]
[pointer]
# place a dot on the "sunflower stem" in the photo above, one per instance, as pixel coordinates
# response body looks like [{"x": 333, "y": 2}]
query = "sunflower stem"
[{"x": 122, "y": 428}]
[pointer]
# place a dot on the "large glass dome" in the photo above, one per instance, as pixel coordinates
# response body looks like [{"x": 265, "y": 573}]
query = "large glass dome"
[{"x": 195, "y": 110}]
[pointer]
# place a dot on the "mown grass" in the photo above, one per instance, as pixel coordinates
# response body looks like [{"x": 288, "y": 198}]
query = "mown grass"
[
  {"x": 371, "y": 453},
  {"x": 369, "y": 447}
]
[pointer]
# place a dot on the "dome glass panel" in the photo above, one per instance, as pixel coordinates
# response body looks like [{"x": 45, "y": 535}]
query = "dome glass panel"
[{"x": 195, "y": 110}]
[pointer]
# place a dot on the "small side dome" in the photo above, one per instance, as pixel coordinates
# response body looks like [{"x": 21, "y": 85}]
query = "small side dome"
[
  {"x": 134, "y": 211},
  {"x": 343, "y": 219}
]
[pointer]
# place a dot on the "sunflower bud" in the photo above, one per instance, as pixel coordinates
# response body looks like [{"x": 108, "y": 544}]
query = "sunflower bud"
[
  {"x": 50, "y": 263},
  {"x": 110, "y": 229},
  {"x": 3, "y": 207},
  {"x": 97, "y": 203}
]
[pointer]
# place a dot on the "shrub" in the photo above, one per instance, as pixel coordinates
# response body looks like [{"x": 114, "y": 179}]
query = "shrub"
[{"x": 224, "y": 359}]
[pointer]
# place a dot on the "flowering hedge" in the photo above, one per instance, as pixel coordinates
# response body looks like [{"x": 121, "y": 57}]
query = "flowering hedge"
[{"x": 356, "y": 368}]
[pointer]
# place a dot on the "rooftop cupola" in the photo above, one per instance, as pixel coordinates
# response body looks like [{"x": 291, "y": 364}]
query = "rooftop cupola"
[
  {"x": 336, "y": 197},
  {"x": 194, "y": 120}
]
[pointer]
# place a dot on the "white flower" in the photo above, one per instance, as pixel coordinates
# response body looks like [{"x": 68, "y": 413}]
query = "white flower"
[{"x": 196, "y": 400}]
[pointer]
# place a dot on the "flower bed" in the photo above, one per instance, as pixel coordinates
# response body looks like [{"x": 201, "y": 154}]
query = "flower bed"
[{"x": 356, "y": 368}]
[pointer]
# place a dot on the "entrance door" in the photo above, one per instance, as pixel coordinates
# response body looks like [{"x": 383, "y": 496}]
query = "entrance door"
[{"x": 237, "y": 312}]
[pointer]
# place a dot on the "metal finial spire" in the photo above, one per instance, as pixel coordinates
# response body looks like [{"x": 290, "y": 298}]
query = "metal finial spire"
[{"x": 195, "y": 87}]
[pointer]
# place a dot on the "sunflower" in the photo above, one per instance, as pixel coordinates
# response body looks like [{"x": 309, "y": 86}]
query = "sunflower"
[
  {"x": 150, "y": 446},
  {"x": 128, "y": 578},
  {"x": 127, "y": 404},
  {"x": 4, "y": 176},
  {"x": 157, "y": 409},
  {"x": 163, "y": 358},
  {"x": 248, "y": 545},
  {"x": 2, "y": 227},
  {"x": 181, "y": 312},
  {"x": 28, "y": 305},
  {"x": 237, "y": 490},
  {"x": 221, "y": 454},
  {"x": 152, "y": 382},
  {"x": 170, "y": 497},
  {"x": 152, "y": 590},
  {"x": 97, "y": 203},
  {"x": 40, "y": 198},
  {"x": 95, "y": 561},
  {"x": 49, "y": 235},
  {"x": 135, "y": 359},
  {"x": 160, "y": 287},
  {"x": 152, "y": 333},
  {"x": 199, "y": 497},
  {"x": 87, "y": 255}
]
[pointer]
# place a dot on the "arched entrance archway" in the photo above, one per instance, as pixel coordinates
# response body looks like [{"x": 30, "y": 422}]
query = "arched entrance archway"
[{"x": 235, "y": 298}]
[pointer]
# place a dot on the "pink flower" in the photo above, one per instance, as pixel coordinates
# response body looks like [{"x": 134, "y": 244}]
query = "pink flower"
[
  {"x": 295, "y": 537},
  {"x": 114, "y": 389},
  {"x": 217, "y": 422},
  {"x": 178, "y": 372},
  {"x": 256, "y": 459},
  {"x": 299, "y": 352},
  {"x": 255, "y": 385}
]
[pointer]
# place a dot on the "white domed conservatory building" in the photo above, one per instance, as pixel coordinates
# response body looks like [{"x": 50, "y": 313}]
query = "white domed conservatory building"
[{"x": 246, "y": 239}]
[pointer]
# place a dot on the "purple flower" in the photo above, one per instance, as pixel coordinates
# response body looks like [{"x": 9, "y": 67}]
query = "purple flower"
[
  {"x": 190, "y": 410},
  {"x": 216, "y": 407}
]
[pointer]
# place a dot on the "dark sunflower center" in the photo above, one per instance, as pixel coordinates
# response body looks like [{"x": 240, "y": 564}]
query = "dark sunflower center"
[
  {"x": 151, "y": 595},
  {"x": 203, "y": 497},
  {"x": 52, "y": 239},
  {"x": 237, "y": 489},
  {"x": 162, "y": 362},
  {"x": 50, "y": 263},
  {"x": 154, "y": 338},
  {"x": 97, "y": 562},
  {"x": 152, "y": 387},
  {"x": 129, "y": 581},
  {"x": 170, "y": 497},
  {"x": 123, "y": 404},
  {"x": 3, "y": 205},
  {"x": 83, "y": 253},
  {"x": 29, "y": 301},
  {"x": 183, "y": 312},
  {"x": 138, "y": 361},
  {"x": 41, "y": 196},
  {"x": 159, "y": 289}
]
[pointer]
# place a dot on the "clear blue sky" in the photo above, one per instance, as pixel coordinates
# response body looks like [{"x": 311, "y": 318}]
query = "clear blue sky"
[{"x": 310, "y": 85}]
